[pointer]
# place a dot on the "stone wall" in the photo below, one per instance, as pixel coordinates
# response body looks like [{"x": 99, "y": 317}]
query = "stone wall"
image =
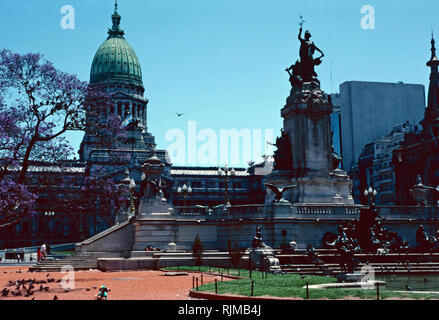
[
  {"x": 116, "y": 240},
  {"x": 280, "y": 224}
]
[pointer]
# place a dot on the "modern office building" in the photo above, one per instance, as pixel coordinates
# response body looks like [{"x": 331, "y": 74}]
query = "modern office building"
[{"x": 370, "y": 110}]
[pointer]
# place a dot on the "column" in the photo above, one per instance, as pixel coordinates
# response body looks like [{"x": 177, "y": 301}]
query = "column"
[
  {"x": 127, "y": 107},
  {"x": 119, "y": 109},
  {"x": 144, "y": 115},
  {"x": 141, "y": 114}
]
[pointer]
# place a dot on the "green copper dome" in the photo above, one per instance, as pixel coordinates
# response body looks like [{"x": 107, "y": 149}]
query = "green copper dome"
[{"x": 115, "y": 61}]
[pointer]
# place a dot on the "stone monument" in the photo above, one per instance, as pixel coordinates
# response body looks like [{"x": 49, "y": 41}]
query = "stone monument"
[
  {"x": 127, "y": 208},
  {"x": 305, "y": 155},
  {"x": 153, "y": 210},
  {"x": 262, "y": 256}
]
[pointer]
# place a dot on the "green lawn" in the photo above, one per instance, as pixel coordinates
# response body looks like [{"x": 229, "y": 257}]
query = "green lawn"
[
  {"x": 290, "y": 285},
  {"x": 63, "y": 252}
]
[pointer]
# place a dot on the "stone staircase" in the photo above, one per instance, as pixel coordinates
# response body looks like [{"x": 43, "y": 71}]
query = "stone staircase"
[
  {"x": 83, "y": 261},
  {"x": 391, "y": 264}
]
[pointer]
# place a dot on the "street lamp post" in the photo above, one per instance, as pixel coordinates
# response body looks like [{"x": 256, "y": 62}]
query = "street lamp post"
[
  {"x": 226, "y": 174},
  {"x": 132, "y": 207},
  {"x": 185, "y": 190},
  {"x": 370, "y": 194},
  {"x": 49, "y": 214}
]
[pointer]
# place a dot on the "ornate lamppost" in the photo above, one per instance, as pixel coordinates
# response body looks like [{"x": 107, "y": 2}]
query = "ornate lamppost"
[
  {"x": 132, "y": 198},
  {"x": 370, "y": 194},
  {"x": 226, "y": 174},
  {"x": 185, "y": 190},
  {"x": 49, "y": 214}
]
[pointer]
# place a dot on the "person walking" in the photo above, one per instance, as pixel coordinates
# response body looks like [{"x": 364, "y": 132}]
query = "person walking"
[{"x": 43, "y": 252}]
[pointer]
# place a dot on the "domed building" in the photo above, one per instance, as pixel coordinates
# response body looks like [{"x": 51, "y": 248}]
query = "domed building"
[{"x": 117, "y": 75}]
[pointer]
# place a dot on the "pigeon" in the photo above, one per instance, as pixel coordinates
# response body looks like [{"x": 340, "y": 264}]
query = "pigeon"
[
  {"x": 41, "y": 288},
  {"x": 408, "y": 288},
  {"x": 47, "y": 275},
  {"x": 33, "y": 298},
  {"x": 88, "y": 289},
  {"x": 278, "y": 191},
  {"x": 5, "y": 292},
  {"x": 46, "y": 289},
  {"x": 55, "y": 298},
  {"x": 18, "y": 293}
]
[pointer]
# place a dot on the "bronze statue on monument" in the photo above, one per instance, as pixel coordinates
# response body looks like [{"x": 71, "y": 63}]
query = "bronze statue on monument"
[
  {"x": 303, "y": 70},
  {"x": 305, "y": 156}
]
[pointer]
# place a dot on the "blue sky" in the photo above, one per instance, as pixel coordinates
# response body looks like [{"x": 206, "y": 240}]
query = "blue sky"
[{"x": 222, "y": 62}]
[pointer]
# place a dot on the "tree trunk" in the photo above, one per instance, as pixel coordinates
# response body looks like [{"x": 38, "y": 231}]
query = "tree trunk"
[{"x": 25, "y": 164}]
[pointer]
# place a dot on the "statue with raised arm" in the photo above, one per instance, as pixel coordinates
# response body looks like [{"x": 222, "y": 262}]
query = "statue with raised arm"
[{"x": 307, "y": 62}]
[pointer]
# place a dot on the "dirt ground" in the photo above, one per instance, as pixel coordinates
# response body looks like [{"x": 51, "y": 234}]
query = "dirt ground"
[{"x": 124, "y": 285}]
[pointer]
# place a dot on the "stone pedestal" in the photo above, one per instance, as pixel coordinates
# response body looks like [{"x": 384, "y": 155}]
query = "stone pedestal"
[
  {"x": 263, "y": 259},
  {"x": 154, "y": 226},
  {"x": 313, "y": 170}
]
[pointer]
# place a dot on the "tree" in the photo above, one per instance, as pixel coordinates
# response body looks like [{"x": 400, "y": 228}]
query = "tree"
[
  {"x": 197, "y": 251},
  {"x": 235, "y": 253},
  {"x": 16, "y": 201},
  {"x": 38, "y": 105},
  {"x": 44, "y": 102}
]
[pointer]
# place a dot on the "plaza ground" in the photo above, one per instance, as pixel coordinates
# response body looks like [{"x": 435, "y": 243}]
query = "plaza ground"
[
  {"x": 125, "y": 285},
  {"x": 155, "y": 285}
]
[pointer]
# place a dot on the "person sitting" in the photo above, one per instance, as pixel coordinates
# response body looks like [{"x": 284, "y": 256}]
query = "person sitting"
[{"x": 103, "y": 293}]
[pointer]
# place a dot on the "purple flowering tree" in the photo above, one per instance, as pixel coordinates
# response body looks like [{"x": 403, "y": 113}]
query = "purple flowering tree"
[
  {"x": 14, "y": 198},
  {"x": 38, "y": 105},
  {"x": 99, "y": 195},
  {"x": 44, "y": 102}
]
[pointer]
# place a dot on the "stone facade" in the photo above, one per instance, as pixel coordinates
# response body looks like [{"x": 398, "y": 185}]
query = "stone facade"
[
  {"x": 419, "y": 152},
  {"x": 375, "y": 166}
]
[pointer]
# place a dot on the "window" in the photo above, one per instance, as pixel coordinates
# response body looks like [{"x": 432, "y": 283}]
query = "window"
[{"x": 196, "y": 184}]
